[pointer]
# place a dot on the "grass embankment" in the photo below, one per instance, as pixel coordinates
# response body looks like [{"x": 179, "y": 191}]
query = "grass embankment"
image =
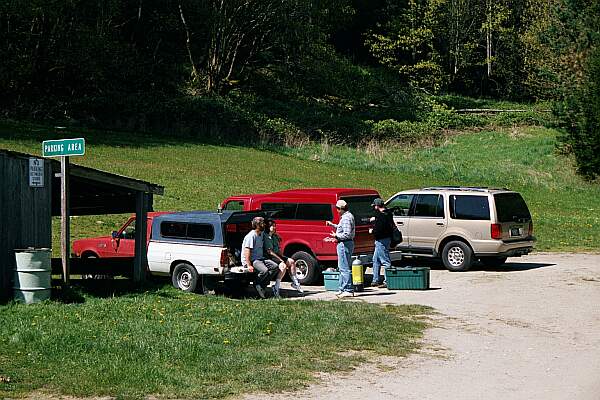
[
  {"x": 198, "y": 176},
  {"x": 171, "y": 344}
]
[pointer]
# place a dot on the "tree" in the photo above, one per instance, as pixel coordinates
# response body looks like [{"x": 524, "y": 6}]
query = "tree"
[
  {"x": 407, "y": 43},
  {"x": 575, "y": 41}
]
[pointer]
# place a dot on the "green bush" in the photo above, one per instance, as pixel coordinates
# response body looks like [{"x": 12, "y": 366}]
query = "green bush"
[{"x": 406, "y": 132}]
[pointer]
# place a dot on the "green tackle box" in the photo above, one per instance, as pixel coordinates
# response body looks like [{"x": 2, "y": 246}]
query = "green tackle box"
[{"x": 411, "y": 278}]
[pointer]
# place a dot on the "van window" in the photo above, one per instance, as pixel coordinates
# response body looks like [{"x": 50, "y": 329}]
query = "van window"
[
  {"x": 286, "y": 210},
  {"x": 429, "y": 205},
  {"x": 469, "y": 207},
  {"x": 400, "y": 205},
  {"x": 511, "y": 207},
  {"x": 314, "y": 212},
  {"x": 360, "y": 207},
  {"x": 184, "y": 230}
]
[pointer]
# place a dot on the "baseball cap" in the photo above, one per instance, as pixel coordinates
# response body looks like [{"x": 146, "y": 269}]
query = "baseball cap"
[
  {"x": 378, "y": 202},
  {"x": 341, "y": 204}
]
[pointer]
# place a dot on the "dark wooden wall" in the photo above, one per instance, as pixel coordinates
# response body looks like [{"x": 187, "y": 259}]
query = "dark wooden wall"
[{"x": 25, "y": 214}]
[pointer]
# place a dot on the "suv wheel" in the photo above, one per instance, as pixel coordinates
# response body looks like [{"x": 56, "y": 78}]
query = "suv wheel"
[
  {"x": 306, "y": 267},
  {"x": 185, "y": 277},
  {"x": 457, "y": 256},
  {"x": 493, "y": 261}
]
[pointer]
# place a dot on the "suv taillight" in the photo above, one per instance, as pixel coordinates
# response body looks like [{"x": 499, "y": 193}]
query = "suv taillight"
[
  {"x": 496, "y": 231},
  {"x": 530, "y": 231}
]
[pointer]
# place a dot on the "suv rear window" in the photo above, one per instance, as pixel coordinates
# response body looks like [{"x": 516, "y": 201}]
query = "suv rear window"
[
  {"x": 511, "y": 207},
  {"x": 429, "y": 205},
  {"x": 469, "y": 207},
  {"x": 360, "y": 207}
]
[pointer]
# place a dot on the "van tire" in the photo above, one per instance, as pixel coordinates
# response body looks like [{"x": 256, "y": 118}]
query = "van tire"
[
  {"x": 185, "y": 277},
  {"x": 457, "y": 256},
  {"x": 308, "y": 265}
]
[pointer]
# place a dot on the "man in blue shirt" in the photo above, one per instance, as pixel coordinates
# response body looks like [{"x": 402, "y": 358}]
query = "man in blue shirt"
[
  {"x": 344, "y": 236},
  {"x": 253, "y": 256}
]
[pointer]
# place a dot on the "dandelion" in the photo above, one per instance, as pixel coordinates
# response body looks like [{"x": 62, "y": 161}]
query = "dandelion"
[{"x": 226, "y": 341}]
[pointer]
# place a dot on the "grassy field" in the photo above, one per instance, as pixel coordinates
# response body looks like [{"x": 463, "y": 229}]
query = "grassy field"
[
  {"x": 198, "y": 176},
  {"x": 165, "y": 342},
  {"x": 171, "y": 344}
]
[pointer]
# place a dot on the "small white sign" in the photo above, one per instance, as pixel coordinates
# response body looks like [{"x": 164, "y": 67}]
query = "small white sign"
[{"x": 36, "y": 172}]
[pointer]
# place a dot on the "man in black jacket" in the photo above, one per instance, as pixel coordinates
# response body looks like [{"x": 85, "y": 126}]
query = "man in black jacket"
[{"x": 382, "y": 230}]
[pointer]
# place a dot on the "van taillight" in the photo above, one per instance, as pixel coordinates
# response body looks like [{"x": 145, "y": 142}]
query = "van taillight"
[
  {"x": 496, "y": 231},
  {"x": 530, "y": 231}
]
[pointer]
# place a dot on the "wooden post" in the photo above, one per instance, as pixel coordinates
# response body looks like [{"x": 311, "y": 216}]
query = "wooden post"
[
  {"x": 65, "y": 244},
  {"x": 141, "y": 234}
]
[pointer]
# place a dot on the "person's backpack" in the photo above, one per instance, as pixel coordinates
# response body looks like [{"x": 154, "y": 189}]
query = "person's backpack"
[{"x": 396, "y": 234}]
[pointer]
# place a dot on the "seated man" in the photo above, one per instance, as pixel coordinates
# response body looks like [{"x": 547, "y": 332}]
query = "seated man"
[
  {"x": 253, "y": 256},
  {"x": 273, "y": 251}
]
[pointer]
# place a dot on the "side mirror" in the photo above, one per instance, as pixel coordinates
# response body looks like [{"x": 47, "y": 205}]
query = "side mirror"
[{"x": 114, "y": 234}]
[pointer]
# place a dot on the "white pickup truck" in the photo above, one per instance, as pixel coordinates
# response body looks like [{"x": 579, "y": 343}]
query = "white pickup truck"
[{"x": 200, "y": 248}]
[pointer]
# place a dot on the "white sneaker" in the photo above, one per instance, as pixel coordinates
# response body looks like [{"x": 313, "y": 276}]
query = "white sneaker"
[
  {"x": 346, "y": 294},
  {"x": 297, "y": 287},
  {"x": 261, "y": 291},
  {"x": 338, "y": 292}
]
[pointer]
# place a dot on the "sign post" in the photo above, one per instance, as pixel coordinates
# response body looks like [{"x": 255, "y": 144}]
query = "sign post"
[{"x": 64, "y": 148}]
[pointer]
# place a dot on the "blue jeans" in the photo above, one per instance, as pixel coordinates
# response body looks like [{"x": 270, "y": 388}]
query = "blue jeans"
[
  {"x": 381, "y": 257},
  {"x": 344, "y": 253}
]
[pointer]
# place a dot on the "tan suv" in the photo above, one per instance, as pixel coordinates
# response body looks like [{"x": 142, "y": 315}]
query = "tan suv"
[{"x": 462, "y": 224}]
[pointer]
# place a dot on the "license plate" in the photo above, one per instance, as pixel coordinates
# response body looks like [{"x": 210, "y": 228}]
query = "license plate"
[{"x": 516, "y": 231}]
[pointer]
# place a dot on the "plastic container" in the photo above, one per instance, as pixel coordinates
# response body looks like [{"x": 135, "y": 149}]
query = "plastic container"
[
  {"x": 411, "y": 278},
  {"x": 331, "y": 280}
]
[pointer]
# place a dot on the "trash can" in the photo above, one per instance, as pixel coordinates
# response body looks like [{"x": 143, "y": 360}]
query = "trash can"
[{"x": 32, "y": 275}]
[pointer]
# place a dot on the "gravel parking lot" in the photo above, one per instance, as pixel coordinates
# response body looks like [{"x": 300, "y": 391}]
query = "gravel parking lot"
[{"x": 528, "y": 330}]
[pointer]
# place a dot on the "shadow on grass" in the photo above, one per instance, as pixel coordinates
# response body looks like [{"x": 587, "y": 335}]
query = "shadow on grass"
[{"x": 79, "y": 289}]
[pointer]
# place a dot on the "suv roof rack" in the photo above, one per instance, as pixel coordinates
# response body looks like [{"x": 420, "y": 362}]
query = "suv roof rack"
[{"x": 464, "y": 188}]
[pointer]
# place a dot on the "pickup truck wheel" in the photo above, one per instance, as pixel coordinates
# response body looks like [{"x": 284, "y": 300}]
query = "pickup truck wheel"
[
  {"x": 89, "y": 256},
  {"x": 185, "y": 277},
  {"x": 493, "y": 262},
  {"x": 306, "y": 267},
  {"x": 457, "y": 256}
]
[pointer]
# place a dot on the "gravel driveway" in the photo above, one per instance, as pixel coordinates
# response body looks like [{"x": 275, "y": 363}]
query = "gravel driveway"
[{"x": 528, "y": 330}]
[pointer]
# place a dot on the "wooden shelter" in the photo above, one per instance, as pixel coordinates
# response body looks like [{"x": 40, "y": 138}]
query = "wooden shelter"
[{"x": 30, "y": 196}]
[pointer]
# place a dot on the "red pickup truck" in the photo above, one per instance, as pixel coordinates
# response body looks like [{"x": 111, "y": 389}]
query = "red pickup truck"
[
  {"x": 301, "y": 218},
  {"x": 120, "y": 243}
]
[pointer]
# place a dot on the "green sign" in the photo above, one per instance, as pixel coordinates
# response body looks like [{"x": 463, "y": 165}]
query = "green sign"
[{"x": 63, "y": 147}]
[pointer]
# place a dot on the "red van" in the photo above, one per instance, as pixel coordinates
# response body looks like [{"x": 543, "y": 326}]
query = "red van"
[{"x": 301, "y": 218}]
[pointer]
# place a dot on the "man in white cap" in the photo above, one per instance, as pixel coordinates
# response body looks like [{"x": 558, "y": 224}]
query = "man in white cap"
[{"x": 344, "y": 236}]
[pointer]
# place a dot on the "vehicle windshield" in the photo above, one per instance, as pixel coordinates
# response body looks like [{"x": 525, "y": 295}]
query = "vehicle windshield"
[
  {"x": 510, "y": 207},
  {"x": 360, "y": 207}
]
